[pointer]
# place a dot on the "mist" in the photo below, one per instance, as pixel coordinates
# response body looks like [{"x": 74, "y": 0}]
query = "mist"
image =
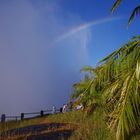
[{"x": 36, "y": 71}]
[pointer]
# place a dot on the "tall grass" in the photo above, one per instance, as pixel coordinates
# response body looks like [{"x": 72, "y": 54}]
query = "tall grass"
[
  {"x": 93, "y": 127},
  {"x": 88, "y": 127}
]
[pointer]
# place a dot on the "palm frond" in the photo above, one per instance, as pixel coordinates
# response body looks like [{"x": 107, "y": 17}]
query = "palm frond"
[
  {"x": 135, "y": 12},
  {"x": 117, "y": 84},
  {"x": 116, "y": 4},
  {"x": 87, "y": 69},
  {"x": 121, "y": 72}
]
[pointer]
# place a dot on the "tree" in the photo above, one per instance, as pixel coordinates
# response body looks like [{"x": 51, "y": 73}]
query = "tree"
[
  {"x": 121, "y": 72},
  {"x": 87, "y": 90},
  {"x": 115, "y": 86},
  {"x": 117, "y": 82}
]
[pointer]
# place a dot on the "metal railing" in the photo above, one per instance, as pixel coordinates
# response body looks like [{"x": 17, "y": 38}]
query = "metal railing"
[{"x": 28, "y": 115}]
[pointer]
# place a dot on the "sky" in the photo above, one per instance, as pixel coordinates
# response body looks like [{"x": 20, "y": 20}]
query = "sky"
[{"x": 45, "y": 43}]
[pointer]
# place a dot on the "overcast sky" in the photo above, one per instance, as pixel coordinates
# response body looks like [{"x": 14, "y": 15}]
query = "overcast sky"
[{"x": 45, "y": 43}]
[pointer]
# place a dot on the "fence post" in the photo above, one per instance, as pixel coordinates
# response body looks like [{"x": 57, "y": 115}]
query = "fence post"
[
  {"x": 61, "y": 109},
  {"x": 22, "y": 116},
  {"x": 16, "y": 118},
  {"x": 41, "y": 113},
  {"x": 3, "y": 118}
]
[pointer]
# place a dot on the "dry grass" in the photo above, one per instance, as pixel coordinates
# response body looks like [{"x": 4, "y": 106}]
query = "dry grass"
[{"x": 71, "y": 125}]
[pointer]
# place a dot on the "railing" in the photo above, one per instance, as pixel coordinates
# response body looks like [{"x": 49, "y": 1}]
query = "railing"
[{"x": 23, "y": 116}]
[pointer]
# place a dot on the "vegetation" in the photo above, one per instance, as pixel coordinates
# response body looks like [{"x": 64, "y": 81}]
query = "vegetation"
[
  {"x": 110, "y": 95},
  {"x": 134, "y": 13},
  {"x": 114, "y": 87},
  {"x": 82, "y": 126}
]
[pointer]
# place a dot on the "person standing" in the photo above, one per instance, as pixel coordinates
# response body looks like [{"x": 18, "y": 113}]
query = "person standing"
[
  {"x": 64, "y": 108},
  {"x": 53, "y": 109}
]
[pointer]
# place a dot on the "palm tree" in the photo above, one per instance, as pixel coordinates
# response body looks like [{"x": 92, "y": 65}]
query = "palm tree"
[
  {"x": 125, "y": 88},
  {"x": 117, "y": 81},
  {"x": 121, "y": 73},
  {"x": 135, "y": 12},
  {"x": 87, "y": 91}
]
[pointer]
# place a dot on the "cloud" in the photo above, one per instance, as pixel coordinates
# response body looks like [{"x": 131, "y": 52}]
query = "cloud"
[{"x": 34, "y": 74}]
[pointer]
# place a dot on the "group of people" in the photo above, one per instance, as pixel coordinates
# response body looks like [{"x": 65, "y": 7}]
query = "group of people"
[
  {"x": 62, "y": 109},
  {"x": 67, "y": 108}
]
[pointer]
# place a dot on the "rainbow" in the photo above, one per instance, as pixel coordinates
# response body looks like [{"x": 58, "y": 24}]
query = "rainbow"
[{"x": 85, "y": 26}]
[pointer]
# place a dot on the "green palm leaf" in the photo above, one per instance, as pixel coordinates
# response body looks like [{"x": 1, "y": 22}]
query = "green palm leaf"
[
  {"x": 115, "y": 85},
  {"x": 122, "y": 91},
  {"x": 135, "y": 12},
  {"x": 116, "y": 4}
]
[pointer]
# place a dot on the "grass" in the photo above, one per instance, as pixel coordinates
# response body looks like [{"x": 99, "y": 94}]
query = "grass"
[
  {"x": 84, "y": 127},
  {"x": 18, "y": 124}
]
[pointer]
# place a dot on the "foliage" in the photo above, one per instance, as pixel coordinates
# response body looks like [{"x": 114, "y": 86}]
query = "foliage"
[
  {"x": 122, "y": 94},
  {"x": 115, "y": 86},
  {"x": 87, "y": 90},
  {"x": 117, "y": 82},
  {"x": 86, "y": 127},
  {"x": 134, "y": 13}
]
